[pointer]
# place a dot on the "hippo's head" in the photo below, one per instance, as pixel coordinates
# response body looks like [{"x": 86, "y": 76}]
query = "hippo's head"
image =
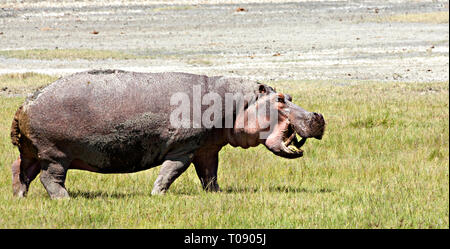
[
  {"x": 278, "y": 129},
  {"x": 292, "y": 121}
]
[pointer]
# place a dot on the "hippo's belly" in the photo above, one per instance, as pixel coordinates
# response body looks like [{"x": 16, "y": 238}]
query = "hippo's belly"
[{"x": 115, "y": 153}]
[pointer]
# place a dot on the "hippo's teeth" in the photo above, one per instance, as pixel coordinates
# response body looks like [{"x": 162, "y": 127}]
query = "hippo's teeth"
[
  {"x": 292, "y": 144},
  {"x": 290, "y": 138},
  {"x": 293, "y": 148},
  {"x": 290, "y": 148}
]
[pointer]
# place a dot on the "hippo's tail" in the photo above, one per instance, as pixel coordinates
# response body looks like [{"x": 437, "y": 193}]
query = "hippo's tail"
[{"x": 15, "y": 130}]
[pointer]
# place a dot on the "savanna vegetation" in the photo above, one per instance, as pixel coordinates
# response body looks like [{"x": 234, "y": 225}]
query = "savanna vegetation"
[{"x": 383, "y": 163}]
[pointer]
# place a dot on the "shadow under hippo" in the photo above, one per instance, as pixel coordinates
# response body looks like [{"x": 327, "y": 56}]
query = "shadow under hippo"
[{"x": 112, "y": 121}]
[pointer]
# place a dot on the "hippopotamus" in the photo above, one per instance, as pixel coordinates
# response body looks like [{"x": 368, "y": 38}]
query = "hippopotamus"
[{"x": 114, "y": 121}]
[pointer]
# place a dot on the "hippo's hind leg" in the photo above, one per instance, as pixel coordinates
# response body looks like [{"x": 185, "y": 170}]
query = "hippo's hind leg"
[
  {"x": 170, "y": 170},
  {"x": 53, "y": 176},
  {"x": 24, "y": 171},
  {"x": 206, "y": 163}
]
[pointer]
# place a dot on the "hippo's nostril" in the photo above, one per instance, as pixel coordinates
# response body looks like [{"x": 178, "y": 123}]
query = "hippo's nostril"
[{"x": 318, "y": 116}]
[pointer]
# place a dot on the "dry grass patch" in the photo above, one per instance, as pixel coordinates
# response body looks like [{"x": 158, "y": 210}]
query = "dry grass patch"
[
  {"x": 70, "y": 54},
  {"x": 432, "y": 17}
]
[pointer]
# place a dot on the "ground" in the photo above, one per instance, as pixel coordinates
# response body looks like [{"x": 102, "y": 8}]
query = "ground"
[
  {"x": 336, "y": 40},
  {"x": 378, "y": 72}
]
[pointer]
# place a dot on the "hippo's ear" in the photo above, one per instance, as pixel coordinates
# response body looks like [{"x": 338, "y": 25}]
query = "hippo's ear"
[{"x": 262, "y": 89}]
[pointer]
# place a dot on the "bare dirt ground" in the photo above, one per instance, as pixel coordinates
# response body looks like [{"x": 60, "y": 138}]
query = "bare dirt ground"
[{"x": 267, "y": 40}]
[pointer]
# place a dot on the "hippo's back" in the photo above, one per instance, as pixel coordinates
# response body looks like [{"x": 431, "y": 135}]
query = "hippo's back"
[{"x": 91, "y": 101}]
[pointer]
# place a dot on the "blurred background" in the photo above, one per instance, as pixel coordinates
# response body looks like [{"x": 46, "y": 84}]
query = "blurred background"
[{"x": 404, "y": 41}]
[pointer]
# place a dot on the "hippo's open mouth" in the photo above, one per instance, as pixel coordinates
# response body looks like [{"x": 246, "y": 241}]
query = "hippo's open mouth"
[{"x": 290, "y": 144}]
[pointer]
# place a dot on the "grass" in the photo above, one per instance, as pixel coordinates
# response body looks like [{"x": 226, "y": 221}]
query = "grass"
[
  {"x": 431, "y": 17},
  {"x": 199, "y": 62},
  {"x": 23, "y": 83},
  {"x": 383, "y": 163},
  {"x": 69, "y": 54},
  {"x": 89, "y": 54}
]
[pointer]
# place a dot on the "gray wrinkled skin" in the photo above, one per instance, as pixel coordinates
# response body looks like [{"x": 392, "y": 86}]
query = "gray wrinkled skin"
[
  {"x": 117, "y": 122},
  {"x": 111, "y": 121}
]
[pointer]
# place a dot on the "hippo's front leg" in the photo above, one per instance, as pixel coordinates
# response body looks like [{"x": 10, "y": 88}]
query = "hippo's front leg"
[
  {"x": 171, "y": 169},
  {"x": 206, "y": 163}
]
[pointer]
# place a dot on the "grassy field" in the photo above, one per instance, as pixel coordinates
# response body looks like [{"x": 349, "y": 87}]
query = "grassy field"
[
  {"x": 23, "y": 83},
  {"x": 383, "y": 163}
]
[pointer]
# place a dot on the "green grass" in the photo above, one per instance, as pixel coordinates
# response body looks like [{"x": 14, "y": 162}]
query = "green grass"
[
  {"x": 23, "y": 83},
  {"x": 69, "y": 54},
  {"x": 383, "y": 163}
]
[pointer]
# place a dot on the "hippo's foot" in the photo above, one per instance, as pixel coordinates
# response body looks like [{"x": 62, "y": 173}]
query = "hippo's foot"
[
  {"x": 52, "y": 177},
  {"x": 170, "y": 170},
  {"x": 211, "y": 186},
  {"x": 20, "y": 187},
  {"x": 20, "y": 190},
  {"x": 158, "y": 191},
  {"x": 23, "y": 172},
  {"x": 206, "y": 162}
]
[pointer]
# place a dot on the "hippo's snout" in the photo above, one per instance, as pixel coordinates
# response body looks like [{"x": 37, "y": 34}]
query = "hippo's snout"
[
  {"x": 317, "y": 125},
  {"x": 308, "y": 124}
]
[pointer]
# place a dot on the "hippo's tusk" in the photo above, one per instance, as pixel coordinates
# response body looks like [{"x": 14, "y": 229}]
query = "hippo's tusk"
[{"x": 289, "y": 140}]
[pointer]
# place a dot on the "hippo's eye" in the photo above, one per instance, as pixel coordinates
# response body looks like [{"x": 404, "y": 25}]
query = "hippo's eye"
[{"x": 288, "y": 97}]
